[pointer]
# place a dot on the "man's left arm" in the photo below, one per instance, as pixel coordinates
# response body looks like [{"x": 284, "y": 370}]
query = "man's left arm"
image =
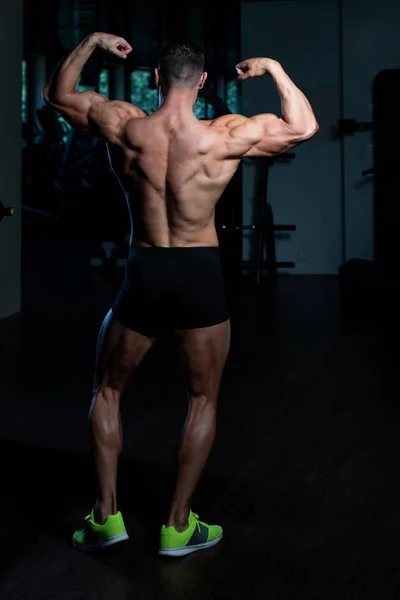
[{"x": 80, "y": 108}]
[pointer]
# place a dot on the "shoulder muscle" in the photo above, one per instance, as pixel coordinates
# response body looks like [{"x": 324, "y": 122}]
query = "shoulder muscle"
[{"x": 108, "y": 119}]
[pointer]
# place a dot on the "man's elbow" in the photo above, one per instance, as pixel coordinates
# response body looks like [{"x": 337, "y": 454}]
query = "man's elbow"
[
  {"x": 47, "y": 94},
  {"x": 315, "y": 128},
  {"x": 52, "y": 96},
  {"x": 310, "y": 130}
]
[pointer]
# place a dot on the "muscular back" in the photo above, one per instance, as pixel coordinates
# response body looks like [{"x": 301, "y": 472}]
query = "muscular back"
[
  {"x": 173, "y": 167},
  {"x": 173, "y": 173}
]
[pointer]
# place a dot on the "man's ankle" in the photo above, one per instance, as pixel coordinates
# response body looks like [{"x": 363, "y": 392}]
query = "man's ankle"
[
  {"x": 179, "y": 520},
  {"x": 101, "y": 513}
]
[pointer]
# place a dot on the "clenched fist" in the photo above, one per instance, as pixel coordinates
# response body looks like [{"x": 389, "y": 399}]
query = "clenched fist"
[
  {"x": 254, "y": 67},
  {"x": 113, "y": 44}
]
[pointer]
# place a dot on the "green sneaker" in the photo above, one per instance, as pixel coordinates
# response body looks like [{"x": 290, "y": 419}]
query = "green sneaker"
[
  {"x": 94, "y": 536},
  {"x": 198, "y": 536}
]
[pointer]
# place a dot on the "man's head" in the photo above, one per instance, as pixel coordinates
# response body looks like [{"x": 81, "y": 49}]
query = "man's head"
[{"x": 181, "y": 67}]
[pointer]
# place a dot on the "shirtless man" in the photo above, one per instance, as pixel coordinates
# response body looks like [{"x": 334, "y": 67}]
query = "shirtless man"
[{"x": 173, "y": 169}]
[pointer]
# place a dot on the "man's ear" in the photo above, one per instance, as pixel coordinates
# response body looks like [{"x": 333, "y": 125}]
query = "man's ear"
[
  {"x": 203, "y": 80},
  {"x": 157, "y": 74}
]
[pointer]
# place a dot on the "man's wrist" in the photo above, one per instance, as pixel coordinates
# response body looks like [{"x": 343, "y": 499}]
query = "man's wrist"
[
  {"x": 271, "y": 66},
  {"x": 93, "y": 39}
]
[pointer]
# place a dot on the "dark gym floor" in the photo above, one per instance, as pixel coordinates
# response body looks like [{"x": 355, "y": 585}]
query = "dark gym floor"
[{"x": 304, "y": 476}]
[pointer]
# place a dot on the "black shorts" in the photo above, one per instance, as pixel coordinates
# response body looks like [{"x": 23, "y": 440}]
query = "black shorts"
[{"x": 167, "y": 289}]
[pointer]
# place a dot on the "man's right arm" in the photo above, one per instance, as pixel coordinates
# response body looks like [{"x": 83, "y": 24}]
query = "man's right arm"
[
  {"x": 88, "y": 111},
  {"x": 268, "y": 134}
]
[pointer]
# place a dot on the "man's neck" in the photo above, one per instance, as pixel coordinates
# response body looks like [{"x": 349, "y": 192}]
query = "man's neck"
[{"x": 178, "y": 101}]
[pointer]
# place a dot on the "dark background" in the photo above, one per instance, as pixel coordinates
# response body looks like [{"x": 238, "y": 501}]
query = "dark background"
[{"x": 304, "y": 476}]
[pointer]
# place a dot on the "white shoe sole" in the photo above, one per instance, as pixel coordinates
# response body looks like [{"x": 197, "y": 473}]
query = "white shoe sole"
[
  {"x": 176, "y": 552},
  {"x": 102, "y": 543}
]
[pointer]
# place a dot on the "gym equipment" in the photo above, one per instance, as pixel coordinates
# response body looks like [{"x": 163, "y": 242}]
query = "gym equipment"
[
  {"x": 111, "y": 256},
  {"x": 351, "y": 126},
  {"x": 386, "y": 92},
  {"x": 5, "y": 211},
  {"x": 264, "y": 226},
  {"x": 367, "y": 286},
  {"x": 42, "y": 152},
  {"x": 82, "y": 162}
]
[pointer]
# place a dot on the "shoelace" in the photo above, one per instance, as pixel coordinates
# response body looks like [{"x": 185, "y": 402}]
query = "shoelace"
[{"x": 196, "y": 518}]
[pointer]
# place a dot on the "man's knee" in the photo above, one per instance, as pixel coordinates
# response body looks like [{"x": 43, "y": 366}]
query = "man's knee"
[
  {"x": 106, "y": 395},
  {"x": 204, "y": 389},
  {"x": 203, "y": 400}
]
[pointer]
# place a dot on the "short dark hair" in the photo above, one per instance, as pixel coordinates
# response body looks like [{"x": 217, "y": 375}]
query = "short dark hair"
[{"x": 181, "y": 64}]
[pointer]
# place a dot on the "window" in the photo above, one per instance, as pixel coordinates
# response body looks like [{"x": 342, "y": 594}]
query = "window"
[
  {"x": 104, "y": 83},
  {"x": 200, "y": 108},
  {"x": 24, "y": 111},
  {"x": 203, "y": 109},
  {"x": 210, "y": 111},
  {"x": 232, "y": 96},
  {"x": 141, "y": 94}
]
